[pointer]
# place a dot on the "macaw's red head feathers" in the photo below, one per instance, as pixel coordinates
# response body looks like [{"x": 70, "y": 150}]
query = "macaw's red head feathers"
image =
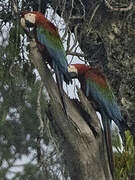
[
  {"x": 97, "y": 76},
  {"x": 30, "y": 19},
  {"x": 88, "y": 72},
  {"x": 35, "y": 18},
  {"x": 79, "y": 69}
]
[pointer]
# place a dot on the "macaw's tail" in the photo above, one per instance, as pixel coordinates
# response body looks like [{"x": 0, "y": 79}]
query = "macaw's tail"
[
  {"x": 108, "y": 140},
  {"x": 59, "y": 79}
]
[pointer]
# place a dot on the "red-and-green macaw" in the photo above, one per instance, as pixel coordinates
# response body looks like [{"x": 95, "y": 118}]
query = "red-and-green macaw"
[
  {"x": 50, "y": 46},
  {"x": 96, "y": 88}
]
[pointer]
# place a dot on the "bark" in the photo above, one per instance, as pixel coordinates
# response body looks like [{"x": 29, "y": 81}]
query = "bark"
[
  {"x": 79, "y": 135},
  {"x": 105, "y": 32}
]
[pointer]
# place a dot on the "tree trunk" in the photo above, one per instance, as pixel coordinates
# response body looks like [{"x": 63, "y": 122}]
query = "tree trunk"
[{"x": 79, "y": 136}]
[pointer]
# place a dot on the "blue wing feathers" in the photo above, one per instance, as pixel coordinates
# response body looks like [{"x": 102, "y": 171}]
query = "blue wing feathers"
[
  {"x": 109, "y": 107},
  {"x": 59, "y": 64},
  {"x": 58, "y": 55}
]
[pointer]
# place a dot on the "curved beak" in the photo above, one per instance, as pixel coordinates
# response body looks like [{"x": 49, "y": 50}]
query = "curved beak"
[
  {"x": 26, "y": 24},
  {"x": 26, "y": 29},
  {"x": 72, "y": 71}
]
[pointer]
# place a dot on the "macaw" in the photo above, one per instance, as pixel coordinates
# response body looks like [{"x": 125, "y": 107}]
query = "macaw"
[
  {"x": 50, "y": 46},
  {"x": 96, "y": 88}
]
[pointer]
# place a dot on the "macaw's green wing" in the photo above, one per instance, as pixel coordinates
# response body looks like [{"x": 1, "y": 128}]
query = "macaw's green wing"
[
  {"x": 98, "y": 88},
  {"x": 55, "y": 48},
  {"x": 56, "y": 51},
  {"x": 103, "y": 95}
]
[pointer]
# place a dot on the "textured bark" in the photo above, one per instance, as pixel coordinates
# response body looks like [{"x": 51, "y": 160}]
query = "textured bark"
[
  {"x": 80, "y": 135},
  {"x": 106, "y": 35}
]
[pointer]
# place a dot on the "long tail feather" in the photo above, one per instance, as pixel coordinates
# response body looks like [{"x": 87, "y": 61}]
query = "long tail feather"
[
  {"x": 111, "y": 160},
  {"x": 108, "y": 141},
  {"x": 59, "y": 80}
]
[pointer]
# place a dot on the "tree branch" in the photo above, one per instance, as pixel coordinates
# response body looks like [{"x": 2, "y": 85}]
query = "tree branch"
[
  {"x": 94, "y": 121},
  {"x": 75, "y": 136},
  {"x": 129, "y": 7},
  {"x": 41, "y": 127}
]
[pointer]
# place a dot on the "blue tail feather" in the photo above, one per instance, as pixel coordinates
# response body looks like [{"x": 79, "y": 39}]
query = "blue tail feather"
[
  {"x": 59, "y": 79},
  {"x": 107, "y": 132}
]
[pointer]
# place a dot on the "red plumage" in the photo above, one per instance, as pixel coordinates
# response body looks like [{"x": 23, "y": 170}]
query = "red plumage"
[
  {"x": 42, "y": 20},
  {"x": 94, "y": 74}
]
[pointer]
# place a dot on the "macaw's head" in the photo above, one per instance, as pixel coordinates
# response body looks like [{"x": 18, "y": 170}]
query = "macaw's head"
[
  {"x": 30, "y": 19},
  {"x": 77, "y": 69}
]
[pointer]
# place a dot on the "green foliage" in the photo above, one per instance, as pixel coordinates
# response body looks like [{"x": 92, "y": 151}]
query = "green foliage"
[
  {"x": 19, "y": 123},
  {"x": 124, "y": 157}
]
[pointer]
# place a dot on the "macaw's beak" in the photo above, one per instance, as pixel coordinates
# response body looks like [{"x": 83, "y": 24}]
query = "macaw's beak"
[
  {"x": 72, "y": 71},
  {"x": 29, "y": 24},
  {"x": 26, "y": 24},
  {"x": 26, "y": 28},
  {"x": 73, "y": 75}
]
